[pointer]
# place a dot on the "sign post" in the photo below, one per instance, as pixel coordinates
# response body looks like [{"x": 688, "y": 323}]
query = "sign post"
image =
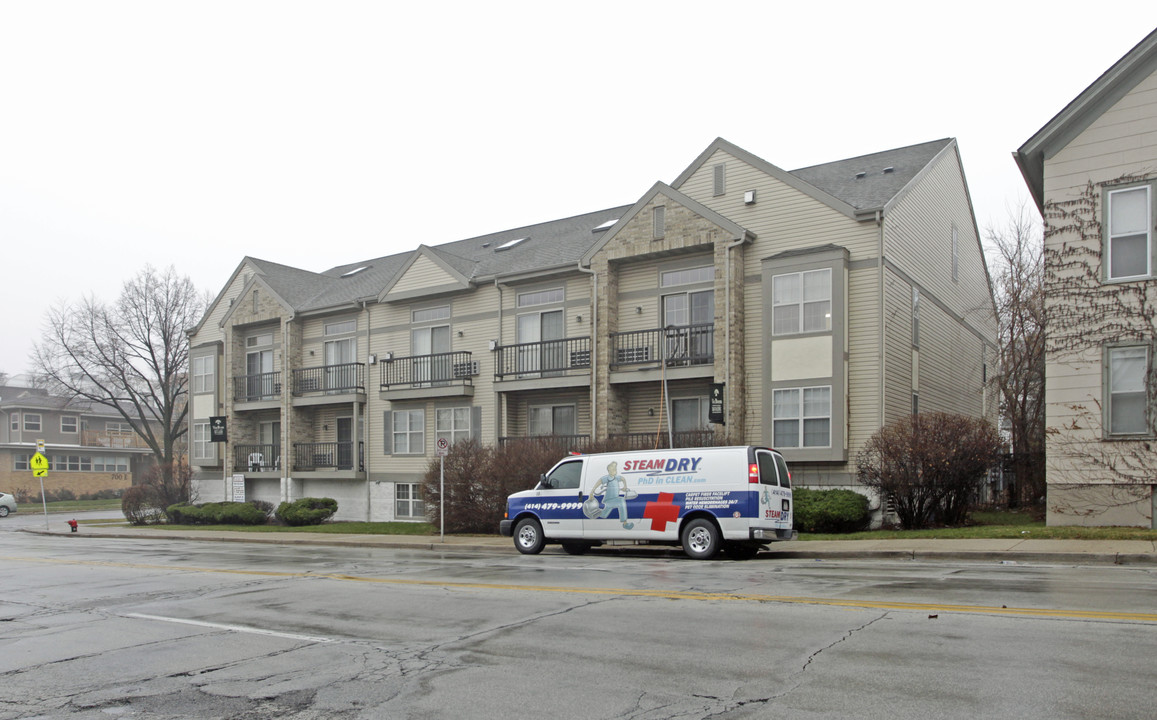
[
  {"x": 39, "y": 465},
  {"x": 443, "y": 447},
  {"x": 219, "y": 433}
]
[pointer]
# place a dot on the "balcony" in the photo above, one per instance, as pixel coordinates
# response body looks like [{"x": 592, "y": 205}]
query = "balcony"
[
  {"x": 561, "y": 443},
  {"x": 257, "y": 458},
  {"x": 258, "y": 391},
  {"x": 339, "y": 456},
  {"x": 91, "y": 438},
  {"x": 674, "y": 345},
  {"x": 546, "y": 359},
  {"x": 420, "y": 376},
  {"x": 329, "y": 384},
  {"x": 650, "y": 440}
]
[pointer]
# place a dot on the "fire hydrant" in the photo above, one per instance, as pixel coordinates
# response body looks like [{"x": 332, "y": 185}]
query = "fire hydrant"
[{"x": 72, "y": 524}]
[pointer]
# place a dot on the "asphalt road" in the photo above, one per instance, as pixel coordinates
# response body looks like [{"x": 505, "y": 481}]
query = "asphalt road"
[{"x": 96, "y": 627}]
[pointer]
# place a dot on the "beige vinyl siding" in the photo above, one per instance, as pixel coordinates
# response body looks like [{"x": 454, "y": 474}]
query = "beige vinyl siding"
[
  {"x": 1123, "y": 140},
  {"x": 423, "y": 273},
  {"x": 949, "y": 370},
  {"x": 518, "y": 405},
  {"x": 897, "y": 347},
  {"x": 211, "y": 330},
  {"x": 863, "y": 357}
]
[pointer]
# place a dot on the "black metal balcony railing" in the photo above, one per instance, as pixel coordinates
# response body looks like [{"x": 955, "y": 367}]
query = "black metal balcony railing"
[
  {"x": 257, "y": 458},
  {"x": 562, "y": 443},
  {"x": 261, "y": 386},
  {"x": 660, "y": 440},
  {"x": 677, "y": 345},
  {"x": 327, "y": 455},
  {"x": 330, "y": 379},
  {"x": 543, "y": 359},
  {"x": 429, "y": 370}
]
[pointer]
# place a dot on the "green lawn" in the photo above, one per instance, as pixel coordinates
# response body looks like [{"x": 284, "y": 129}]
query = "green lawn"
[
  {"x": 69, "y": 506},
  {"x": 1001, "y": 524},
  {"x": 333, "y": 528}
]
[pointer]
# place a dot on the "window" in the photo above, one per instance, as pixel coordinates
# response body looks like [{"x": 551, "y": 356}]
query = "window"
[
  {"x": 1128, "y": 399},
  {"x": 801, "y": 302},
  {"x": 341, "y": 328},
  {"x": 1129, "y": 247},
  {"x": 689, "y": 414},
  {"x": 202, "y": 446},
  {"x": 71, "y": 463},
  {"x": 408, "y": 501},
  {"x": 20, "y": 462},
  {"x": 117, "y": 463},
  {"x": 452, "y": 424},
  {"x": 203, "y": 374},
  {"x": 31, "y": 421},
  {"x": 409, "y": 432},
  {"x": 915, "y": 317},
  {"x": 114, "y": 427},
  {"x": 551, "y": 420},
  {"x": 802, "y": 417},
  {"x": 955, "y": 254},
  {"x": 441, "y": 312},
  {"x": 259, "y": 340},
  {"x": 659, "y": 222},
  {"x": 68, "y": 424},
  {"x": 541, "y": 297},
  {"x": 689, "y": 276},
  {"x": 15, "y": 422}
]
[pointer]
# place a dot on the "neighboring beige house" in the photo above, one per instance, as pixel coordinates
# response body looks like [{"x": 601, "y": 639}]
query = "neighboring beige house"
[
  {"x": 1093, "y": 173},
  {"x": 89, "y": 447},
  {"x": 819, "y": 303}
]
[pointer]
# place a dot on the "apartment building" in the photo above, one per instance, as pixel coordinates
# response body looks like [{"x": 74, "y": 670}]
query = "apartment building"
[
  {"x": 1092, "y": 171},
  {"x": 740, "y": 303},
  {"x": 89, "y": 447}
]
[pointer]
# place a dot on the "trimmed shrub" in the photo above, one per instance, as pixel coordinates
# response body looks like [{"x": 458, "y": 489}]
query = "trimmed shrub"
[
  {"x": 306, "y": 511},
  {"x": 219, "y": 513},
  {"x": 830, "y": 511},
  {"x": 143, "y": 505}
]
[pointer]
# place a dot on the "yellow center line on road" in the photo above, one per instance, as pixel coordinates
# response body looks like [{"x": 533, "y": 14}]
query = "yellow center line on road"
[{"x": 633, "y": 592}]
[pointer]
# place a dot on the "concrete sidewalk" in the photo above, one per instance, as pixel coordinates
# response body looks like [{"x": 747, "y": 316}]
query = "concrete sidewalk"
[{"x": 1015, "y": 550}]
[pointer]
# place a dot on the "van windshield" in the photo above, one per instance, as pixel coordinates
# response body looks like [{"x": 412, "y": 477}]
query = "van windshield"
[{"x": 565, "y": 476}]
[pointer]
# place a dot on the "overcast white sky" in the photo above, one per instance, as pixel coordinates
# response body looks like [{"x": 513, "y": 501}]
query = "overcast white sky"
[{"x": 319, "y": 133}]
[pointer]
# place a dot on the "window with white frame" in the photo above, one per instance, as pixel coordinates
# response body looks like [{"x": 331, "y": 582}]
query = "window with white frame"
[
  {"x": 802, "y": 417},
  {"x": 15, "y": 422},
  {"x": 32, "y": 421},
  {"x": 442, "y": 312},
  {"x": 202, "y": 445},
  {"x": 20, "y": 462},
  {"x": 687, "y": 276},
  {"x": 114, "y": 427},
  {"x": 551, "y": 420},
  {"x": 203, "y": 374},
  {"x": 112, "y": 463},
  {"x": 70, "y": 463},
  {"x": 342, "y": 327},
  {"x": 689, "y": 414},
  {"x": 802, "y": 302},
  {"x": 408, "y": 501},
  {"x": 409, "y": 429},
  {"x": 69, "y": 424},
  {"x": 453, "y": 424},
  {"x": 1128, "y": 396},
  {"x": 541, "y": 297},
  {"x": 1129, "y": 229}
]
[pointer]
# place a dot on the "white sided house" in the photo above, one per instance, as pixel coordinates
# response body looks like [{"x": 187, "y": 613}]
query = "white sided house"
[
  {"x": 1093, "y": 173},
  {"x": 741, "y": 304}
]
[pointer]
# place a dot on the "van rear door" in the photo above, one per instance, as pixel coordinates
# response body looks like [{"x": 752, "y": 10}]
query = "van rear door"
[{"x": 774, "y": 489}]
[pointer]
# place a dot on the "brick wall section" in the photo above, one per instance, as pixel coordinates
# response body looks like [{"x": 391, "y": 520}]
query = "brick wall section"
[
  {"x": 78, "y": 482},
  {"x": 685, "y": 231}
]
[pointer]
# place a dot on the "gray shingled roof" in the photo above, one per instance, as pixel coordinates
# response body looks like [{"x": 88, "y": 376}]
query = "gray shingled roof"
[
  {"x": 876, "y": 187},
  {"x": 558, "y": 243}
]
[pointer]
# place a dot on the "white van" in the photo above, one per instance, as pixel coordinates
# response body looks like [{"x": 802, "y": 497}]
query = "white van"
[{"x": 706, "y": 499}]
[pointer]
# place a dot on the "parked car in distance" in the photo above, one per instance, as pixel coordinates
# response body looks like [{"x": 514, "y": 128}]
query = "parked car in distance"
[{"x": 7, "y": 504}]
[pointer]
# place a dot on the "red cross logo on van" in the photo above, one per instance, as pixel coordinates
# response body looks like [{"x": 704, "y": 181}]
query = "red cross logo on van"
[{"x": 661, "y": 511}]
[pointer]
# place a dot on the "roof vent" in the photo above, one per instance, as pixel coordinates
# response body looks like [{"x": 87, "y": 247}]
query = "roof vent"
[
  {"x": 889, "y": 169},
  {"x": 485, "y": 245},
  {"x": 510, "y": 243},
  {"x": 355, "y": 271},
  {"x": 860, "y": 175}
]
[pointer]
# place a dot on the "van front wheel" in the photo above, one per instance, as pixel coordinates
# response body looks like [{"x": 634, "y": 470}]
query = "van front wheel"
[
  {"x": 528, "y": 537},
  {"x": 700, "y": 539}
]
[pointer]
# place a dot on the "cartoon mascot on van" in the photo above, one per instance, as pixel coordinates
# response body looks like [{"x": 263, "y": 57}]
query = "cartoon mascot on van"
[{"x": 615, "y": 493}]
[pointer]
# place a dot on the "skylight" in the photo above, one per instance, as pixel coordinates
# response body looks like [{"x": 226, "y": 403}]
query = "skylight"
[
  {"x": 355, "y": 271},
  {"x": 510, "y": 243},
  {"x": 605, "y": 226}
]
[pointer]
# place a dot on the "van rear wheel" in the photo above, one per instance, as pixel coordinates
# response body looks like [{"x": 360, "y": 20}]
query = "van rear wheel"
[
  {"x": 528, "y": 537},
  {"x": 700, "y": 539}
]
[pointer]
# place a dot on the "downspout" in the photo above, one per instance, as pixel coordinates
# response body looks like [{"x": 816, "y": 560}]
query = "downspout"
[
  {"x": 883, "y": 355},
  {"x": 727, "y": 324},
  {"x": 594, "y": 346},
  {"x": 363, "y": 465},
  {"x": 499, "y": 410}
]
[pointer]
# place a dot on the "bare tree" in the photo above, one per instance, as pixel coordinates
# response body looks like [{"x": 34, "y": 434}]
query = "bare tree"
[
  {"x": 1018, "y": 286},
  {"x": 131, "y": 356}
]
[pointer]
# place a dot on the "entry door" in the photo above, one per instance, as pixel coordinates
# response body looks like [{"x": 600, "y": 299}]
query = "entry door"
[
  {"x": 259, "y": 369},
  {"x": 536, "y": 331},
  {"x": 340, "y": 372},
  {"x": 428, "y": 342},
  {"x": 345, "y": 444}
]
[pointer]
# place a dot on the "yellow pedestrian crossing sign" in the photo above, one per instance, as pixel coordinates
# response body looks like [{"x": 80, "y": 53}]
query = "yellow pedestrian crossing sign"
[{"x": 39, "y": 465}]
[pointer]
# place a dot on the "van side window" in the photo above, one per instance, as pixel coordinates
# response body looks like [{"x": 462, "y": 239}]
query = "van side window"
[
  {"x": 565, "y": 476},
  {"x": 784, "y": 475},
  {"x": 767, "y": 468}
]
